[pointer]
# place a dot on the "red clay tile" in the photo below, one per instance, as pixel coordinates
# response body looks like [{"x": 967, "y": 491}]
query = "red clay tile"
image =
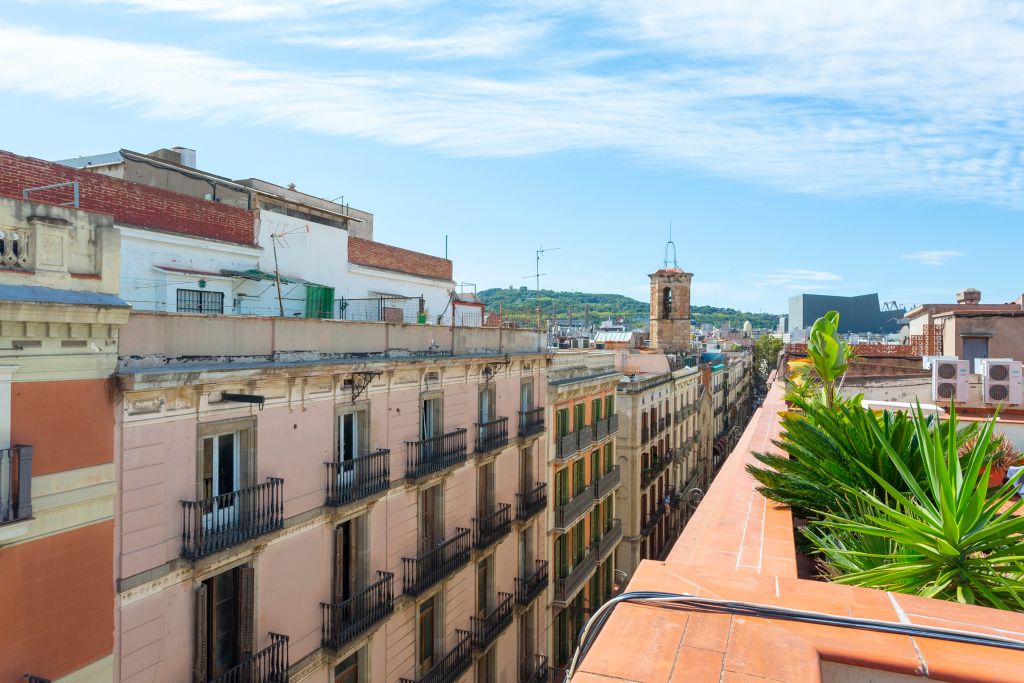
[
  {"x": 693, "y": 664},
  {"x": 707, "y": 631}
]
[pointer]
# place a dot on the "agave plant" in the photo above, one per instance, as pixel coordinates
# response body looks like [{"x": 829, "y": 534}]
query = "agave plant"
[
  {"x": 825, "y": 448},
  {"x": 950, "y": 537}
]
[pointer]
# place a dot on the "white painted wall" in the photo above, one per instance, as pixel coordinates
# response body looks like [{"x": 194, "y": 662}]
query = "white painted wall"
[{"x": 368, "y": 282}]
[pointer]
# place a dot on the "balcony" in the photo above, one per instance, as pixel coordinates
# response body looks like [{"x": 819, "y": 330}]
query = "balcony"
[
  {"x": 568, "y": 514},
  {"x": 358, "y": 478},
  {"x": 613, "y": 424},
  {"x": 487, "y": 629},
  {"x": 269, "y": 665},
  {"x": 657, "y": 466},
  {"x": 586, "y": 437},
  {"x": 435, "y": 453},
  {"x": 606, "y": 544},
  {"x": 436, "y": 563},
  {"x": 491, "y": 435},
  {"x": 226, "y": 520},
  {"x": 491, "y": 528},
  {"x": 452, "y": 665},
  {"x": 343, "y": 621},
  {"x": 531, "y": 421},
  {"x": 532, "y": 502},
  {"x": 533, "y": 585},
  {"x": 607, "y": 483},
  {"x": 15, "y": 484},
  {"x": 535, "y": 671},
  {"x": 661, "y": 424},
  {"x": 566, "y": 587},
  {"x": 651, "y": 519},
  {"x": 645, "y": 435}
]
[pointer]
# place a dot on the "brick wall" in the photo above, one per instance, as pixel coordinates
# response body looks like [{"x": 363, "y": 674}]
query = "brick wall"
[
  {"x": 377, "y": 255},
  {"x": 129, "y": 203}
]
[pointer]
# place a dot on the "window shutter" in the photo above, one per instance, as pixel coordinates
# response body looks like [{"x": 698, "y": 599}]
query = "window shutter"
[
  {"x": 202, "y": 642},
  {"x": 246, "y": 613},
  {"x": 339, "y": 563}
]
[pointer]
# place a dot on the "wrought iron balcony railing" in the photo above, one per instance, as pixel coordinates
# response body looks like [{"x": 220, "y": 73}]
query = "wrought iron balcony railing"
[
  {"x": 568, "y": 514},
  {"x": 645, "y": 435},
  {"x": 352, "y": 480},
  {"x": 531, "y": 421},
  {"x": 492, "y": 435},
  {"x": 586, "y": 436},
  {"x": 534, "y": 670},
  {"x": 651, "y": 519},
  {"x": 452, "y": 665},
  {"x": 531, "y": 502},
  {"x": 486, "y": 629},
  {"x": 269, "y": 665},
  {"x": 435, "y": 453},
  {"x": 567, "y": 446},
  {"x": 600, "y": 430},
  {"x": 492, "y": 527},
  {"x": 15, "y": 483},
  {"x": 529, "y": 587},
  {"x": 219, "y": 522},
  {"x": 435, "y": 563},
  {"x": 607, "y": 483},
  {"x": 613, "y": 424},
  {"x": 343, "y": 621},
  {"x": 567, "y": 585}
]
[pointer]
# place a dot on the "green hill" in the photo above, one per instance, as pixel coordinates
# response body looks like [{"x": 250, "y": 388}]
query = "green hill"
[{"x": 522, "y": 302}]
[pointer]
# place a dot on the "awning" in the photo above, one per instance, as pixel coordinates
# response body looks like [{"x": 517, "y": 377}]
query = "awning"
[
  {"x": 260, "y": 276},
  {"x": 191, "y": 271}
]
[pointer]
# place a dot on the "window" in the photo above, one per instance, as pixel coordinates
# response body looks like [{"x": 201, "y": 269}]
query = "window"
[
  {"x": 527, "y": 637},
  {"x": 200, "y": 301},
  {"x": 431, "y": 516},
  {"x": 526, "y": 395},
  {"x": 666, "y": 303},
  {"x": 429, "y": 633},
  {"x": 484, "y": 586},
  {"x": 526, "y": 482},
  {"x": 562, "y": 486},
  {"x": 579, "y": 416},
  {"x": 431, "y": 418},
  {"x": 609, "y": 405},
  {"x": 579, "y": 542},
  {"x": 562, "y": 422},
  {"x": 224, "y": 621},
  {"x": 485, "y": 668},
  {"x": 353, "y": 435},
  {"x": 561, "y": 557},
  {"x": 609, "y": 513},
  {"x": 348, "y": 670},
  {"x": 349, "y": 573},
  {"x": 579, "y": 477},
  {"x": 595, "y": 410},
  {"x": 595, "y": 465},
  {"x": 485, "y": 489},
  {"x": 486, "y": 404},
  {"x": 595, "y": 525},
  {"x": 225, "y": 463},
  {"x": 609, "y": 457}
]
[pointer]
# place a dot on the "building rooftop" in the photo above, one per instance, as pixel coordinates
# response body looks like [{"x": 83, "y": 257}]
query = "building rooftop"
[{"x": 739, "y": 546}]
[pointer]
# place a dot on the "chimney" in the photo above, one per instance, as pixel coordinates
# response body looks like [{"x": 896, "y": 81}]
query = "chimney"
[
  {"x": 188, "y": 156},
  {"x": 968, "y": 296}
]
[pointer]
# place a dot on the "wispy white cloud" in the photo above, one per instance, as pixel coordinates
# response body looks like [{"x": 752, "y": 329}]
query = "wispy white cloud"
[
  {"x": 937, "y": 257},
  {"x": 855, "y": 98},
  {"x": 797, "y": 279},
  {"x": 490, "y": 37}
]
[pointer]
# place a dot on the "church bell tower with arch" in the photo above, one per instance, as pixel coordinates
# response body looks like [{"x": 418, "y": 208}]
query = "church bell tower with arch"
[{"x": 670, "y": 304}]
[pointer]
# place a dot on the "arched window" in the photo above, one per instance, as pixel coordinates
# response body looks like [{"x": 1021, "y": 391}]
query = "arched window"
[{"x": 666, "y": 303}]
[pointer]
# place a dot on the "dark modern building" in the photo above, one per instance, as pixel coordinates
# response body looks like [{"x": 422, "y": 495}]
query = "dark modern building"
[{"x": 856, "y": 313}]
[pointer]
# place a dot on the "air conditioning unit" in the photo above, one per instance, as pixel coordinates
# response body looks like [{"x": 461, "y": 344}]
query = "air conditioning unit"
[
  {"x": 949, "y": 380},
  {"x": 927, "y": 361},
  {"x": 1001, "y": 381}
]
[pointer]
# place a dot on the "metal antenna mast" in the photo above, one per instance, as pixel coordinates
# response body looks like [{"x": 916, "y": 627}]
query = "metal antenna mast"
[{"x": 672, "y": 244}]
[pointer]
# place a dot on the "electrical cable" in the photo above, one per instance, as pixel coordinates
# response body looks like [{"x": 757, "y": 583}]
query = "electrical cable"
[{"x": 685, "y": 601}]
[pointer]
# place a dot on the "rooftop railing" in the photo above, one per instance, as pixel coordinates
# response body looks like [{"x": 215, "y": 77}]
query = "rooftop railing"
[
  {"x": 269, "y": 665},
  {"x": 433, "y": 564},
  {"x": 491, "y": 435},
  {"x": 15, "y": 484},
  {"x": 352, "y": 480},
  {"x": 529, "y": 587},
  {"x": 487, "y": 629},
  {"x": 343, "y": 621},
  {"x": 531, "y": 502},
  {"x": 219, "y": 522},
  {"x": 531, "y": 421},
  {"x": 492, "y": 527},
  {"x": 452, "y": 665},
  {"x": 435, "y": 453}
]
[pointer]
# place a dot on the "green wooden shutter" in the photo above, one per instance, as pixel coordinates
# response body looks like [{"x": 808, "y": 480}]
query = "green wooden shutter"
[{"x": 319, "y": 301}]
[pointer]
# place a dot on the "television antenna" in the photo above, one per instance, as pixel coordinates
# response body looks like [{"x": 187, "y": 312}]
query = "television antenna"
[
  {"x": 536, "y": 275},
  {"x": 281, "y": 235}
]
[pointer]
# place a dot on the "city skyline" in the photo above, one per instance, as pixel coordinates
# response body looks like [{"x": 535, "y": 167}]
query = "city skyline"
[{"x": 839, "y": 150}]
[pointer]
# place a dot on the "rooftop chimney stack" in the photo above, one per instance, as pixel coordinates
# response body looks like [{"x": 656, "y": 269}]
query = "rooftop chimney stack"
[
  {"x": 968, "y": 296},
  {"x": 188, "y": 156}
]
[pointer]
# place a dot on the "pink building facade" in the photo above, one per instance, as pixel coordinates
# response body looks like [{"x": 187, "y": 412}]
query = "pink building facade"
[{"x": 353, "y": 518}]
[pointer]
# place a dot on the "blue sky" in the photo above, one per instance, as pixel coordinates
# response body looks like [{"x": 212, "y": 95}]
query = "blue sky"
[{"x": 795, "y": 145}]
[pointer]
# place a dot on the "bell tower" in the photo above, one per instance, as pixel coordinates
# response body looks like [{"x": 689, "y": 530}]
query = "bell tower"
[{"x": 670, "y": 304}]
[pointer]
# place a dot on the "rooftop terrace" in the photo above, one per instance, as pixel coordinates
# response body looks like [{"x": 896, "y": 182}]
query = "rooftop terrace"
[{"x": 739, "y": 546}]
